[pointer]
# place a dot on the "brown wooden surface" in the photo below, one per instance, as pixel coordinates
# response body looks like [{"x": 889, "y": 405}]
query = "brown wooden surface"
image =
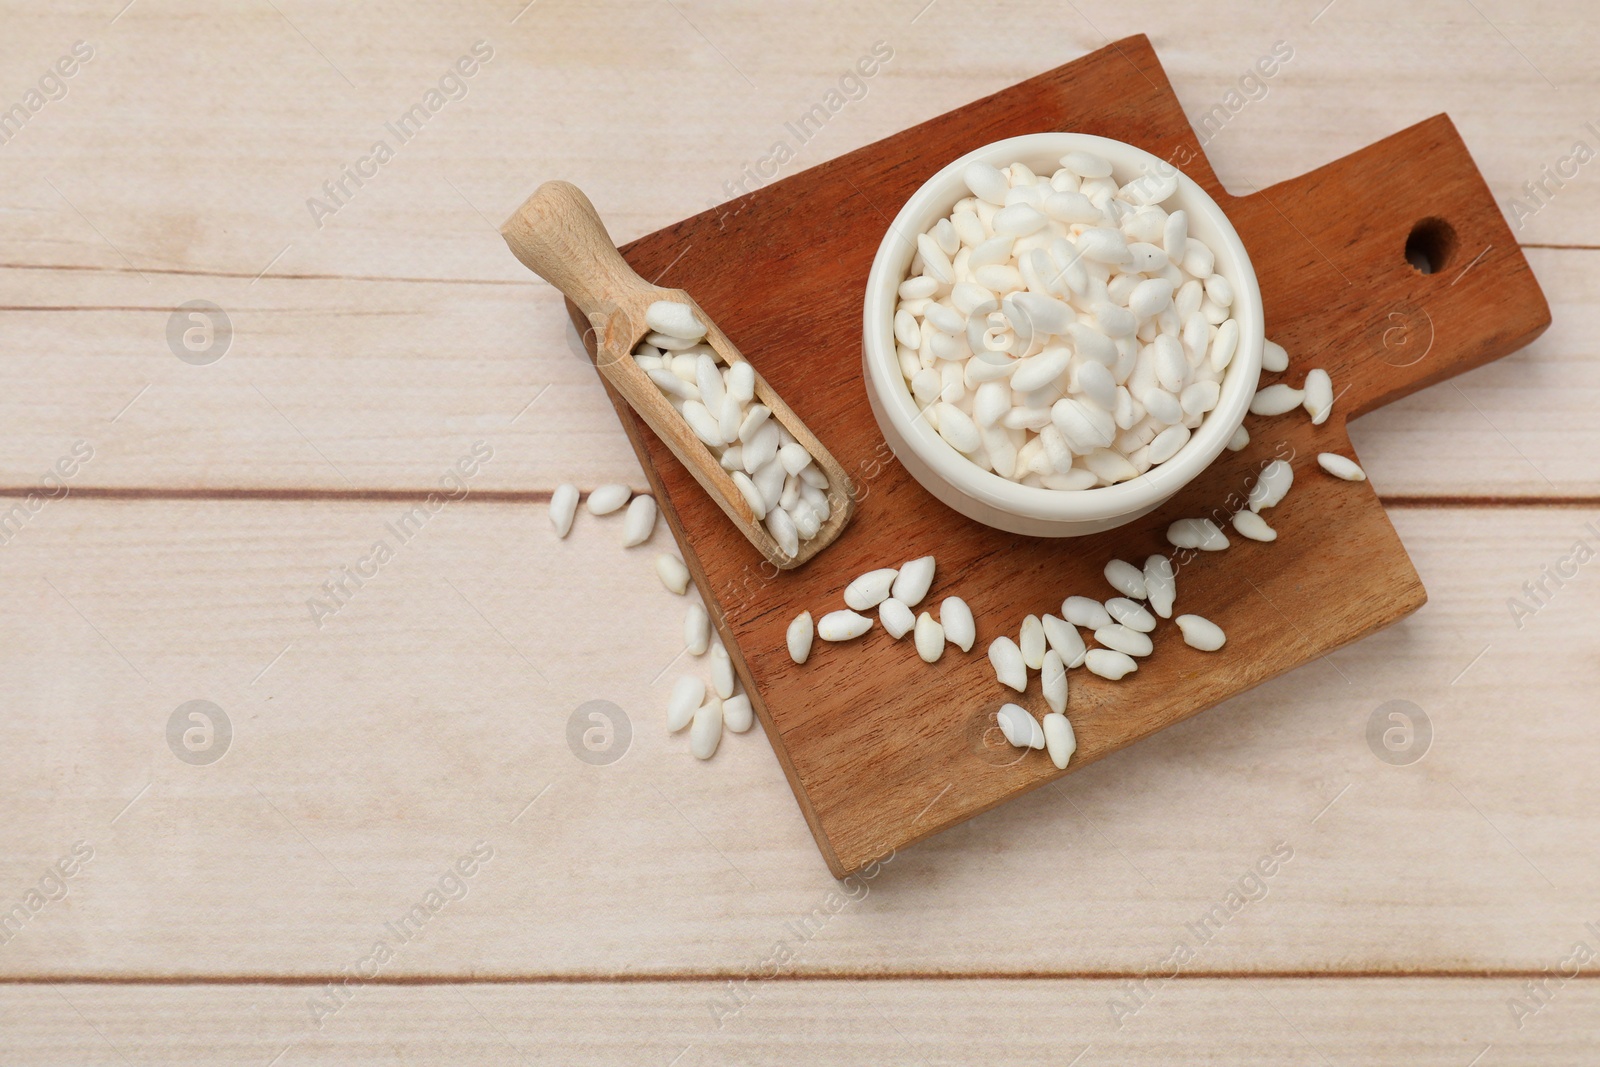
[{"x": 883, "y": 750}]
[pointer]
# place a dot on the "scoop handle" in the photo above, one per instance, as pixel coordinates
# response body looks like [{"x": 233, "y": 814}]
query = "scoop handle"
[{"x": 558, "y": 235}]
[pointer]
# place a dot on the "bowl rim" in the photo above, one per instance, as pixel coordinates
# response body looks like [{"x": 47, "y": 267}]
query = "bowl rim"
[{"x": 932, "y": 200}]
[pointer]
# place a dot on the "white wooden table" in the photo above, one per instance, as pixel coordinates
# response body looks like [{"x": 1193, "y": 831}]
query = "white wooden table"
[{"x": 656, "y": 910}]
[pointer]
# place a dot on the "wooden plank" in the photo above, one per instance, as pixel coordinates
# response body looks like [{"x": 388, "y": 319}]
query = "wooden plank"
[
  {"x": 388, "y": 382},
  {"x": 337, "y": 75},
  {"x": 380, "y": 748},
  {"x": 1432, "y": 1023}
]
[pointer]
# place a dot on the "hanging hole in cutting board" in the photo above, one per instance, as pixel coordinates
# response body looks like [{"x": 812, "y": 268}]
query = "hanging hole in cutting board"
[{"x": 1431, "y": 245}]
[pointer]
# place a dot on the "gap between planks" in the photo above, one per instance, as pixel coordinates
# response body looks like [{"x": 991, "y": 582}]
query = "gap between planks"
[
  {"x": 531, "y": 282},
  {"x": 712, "y": 977},
  {"x": 542, "y": 496}
]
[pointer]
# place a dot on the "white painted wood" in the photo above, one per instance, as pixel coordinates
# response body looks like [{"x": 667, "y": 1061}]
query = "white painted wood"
[
  {"x": 382, "y": 385},
  {"x": 1429, "y": 1022},
  {"x": 429, "y": 713}
]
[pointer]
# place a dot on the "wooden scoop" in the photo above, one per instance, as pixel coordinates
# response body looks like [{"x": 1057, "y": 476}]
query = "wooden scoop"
[{"x": 557, "y": 234}]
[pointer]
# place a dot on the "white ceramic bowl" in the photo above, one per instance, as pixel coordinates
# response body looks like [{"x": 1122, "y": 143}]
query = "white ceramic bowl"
[{"x": 984, "y": 495}]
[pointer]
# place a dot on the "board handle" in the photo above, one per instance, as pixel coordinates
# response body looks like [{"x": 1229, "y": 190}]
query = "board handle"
[
  {"x": 558, "y": 235},
  {"x": 1396, "y": 262}
]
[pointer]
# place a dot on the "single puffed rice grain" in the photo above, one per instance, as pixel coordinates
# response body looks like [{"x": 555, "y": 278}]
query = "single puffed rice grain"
[
  {"x": 896, "y": 618},
  {"x": 1276, "y": 399},
  {"x": 913, "y": 580},
  {"x": 696, "y": 630},
  {"x": 842, "y": 626},
  {"x": 1053, "y": 680},
  {"x": 605, "y": 499},
  {"x": 1065, "y": 640},
  {"x": 640, "y": 521},
  {"x": 1162, "y": 584},
  {"x": 956, "y": 618},
  {"x": 929, "y": 638},
  {"x": 563, "y": 506},
  {"x": 1059, "y": 740},
  {"x": 1253, "y": 526},
  {"x": 721, "y": 671},
  {"x": 673, "y": 574},
  {"x": 1126, "y": 579},
  {"x": 687, "y": 693},
  {"x": 1109, "y": 663},
  {"x": 1009, "y": 668},
  {"x": 1085, "y": 611},
  {"x": 1031, "y": 642},
  {"x": 737, "y": 714},
  {"x": 1319, "y": 396},
  {"x": 1340, "y": 467},
  {"x": 1201, "y": 633},
  {"x": 871, "y": 589},
  {"x": 705, "y": 733},
  {"x": 799, "y": 636},
  {"x": 1197, "y": 533}
]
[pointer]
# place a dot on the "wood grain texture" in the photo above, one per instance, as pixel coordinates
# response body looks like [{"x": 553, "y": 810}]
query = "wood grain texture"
[
  {"x": 883, "y": 751},
  {"x": 1241, "y": 1022},
  {"x": 398, "y": 333},
  {"x": 433, "y": 711},
  {"x": 419, "y": 370}
]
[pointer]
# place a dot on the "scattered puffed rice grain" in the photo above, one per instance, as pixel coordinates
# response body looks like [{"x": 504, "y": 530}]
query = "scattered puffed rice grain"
[
  {"x": 1015, "y": 723},
  {"x": 842, "y": 626},
  {"x": 1129, "y": 613},
  {"x": 799, "y": 637},
  {"x": 1276, "y": 399},
  {"x": 1053, "y": 680},
  {"x": 706, "y": 731},
  {"x": 605, "y": 499},
  {"x": 871, "y": 589},
  {"x": 1340, "y": 467},
  {"x": 1126, "y": 579},
  {"x": 1196, "y": 533},
  {"x": 1162, "y": 583},
  {"x": 1201, "y": 633},
  {"x": 1059, "y": 739},
  {"x": 640, "y": 521},
  {"x": 1253, "y": 526},
  {"x": 1319, "y": 396},
  {"x": 956, "y": 618},
  {"x": 929, "y": 638},
  {"x": 1009, "y": 668},
  {"x": 896, "y": 618},
  {"x": 1031, "y": 642},
  {"x": 1274, "y": 357},
  {"x": 913, "y": 581},
  {"x": 563, "y": 506},
  {"x": 737, "y": 714},
  {"x": 673, "y": 574},
  {"x": 1240, "y": 438},
  {"x": 721, "y": 671},
  {"x": 1272, "y": 486},
  {"x": 697, "y": 630},
  {"x": 1109, "y": 663},
  {"x": 687, "y": 693},
  {"x": 1125, "y": 639},
  {"x": 1065, "y": 640},
  {"x": 1085, "y": 611}
]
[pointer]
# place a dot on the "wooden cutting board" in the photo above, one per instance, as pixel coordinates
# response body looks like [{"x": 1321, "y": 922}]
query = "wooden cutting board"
[{"x": 882, "y": 749}]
